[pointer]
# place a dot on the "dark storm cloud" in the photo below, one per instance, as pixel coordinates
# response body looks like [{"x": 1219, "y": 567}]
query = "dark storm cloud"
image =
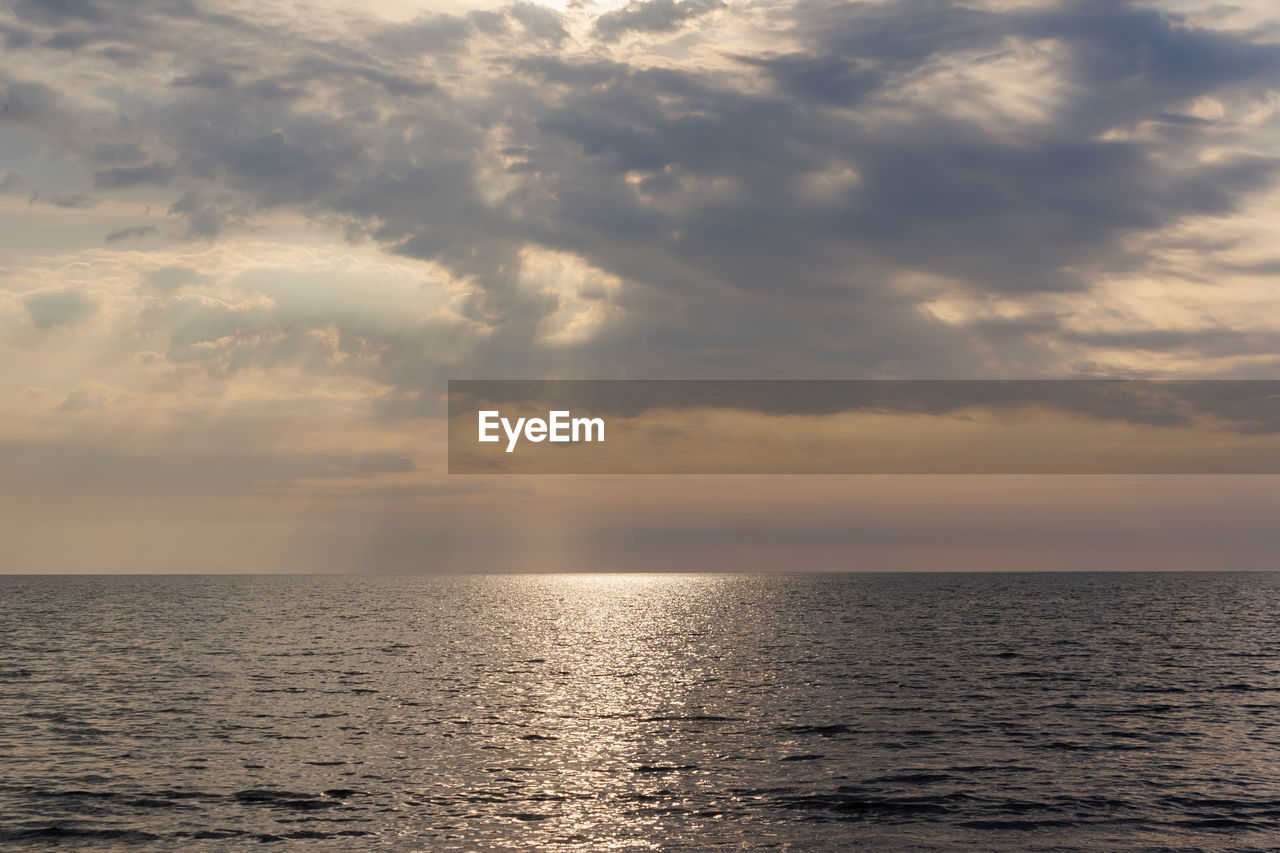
[{"x": 759, "y": 216}]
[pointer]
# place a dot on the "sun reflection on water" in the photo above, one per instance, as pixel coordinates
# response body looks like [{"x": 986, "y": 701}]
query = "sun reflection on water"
[{"x": 623, "y": 670}]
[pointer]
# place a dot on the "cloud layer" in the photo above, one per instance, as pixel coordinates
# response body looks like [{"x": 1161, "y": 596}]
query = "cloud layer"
[
  {"x": 273, "y": 221},
  {"x": 763, "y": 179}
]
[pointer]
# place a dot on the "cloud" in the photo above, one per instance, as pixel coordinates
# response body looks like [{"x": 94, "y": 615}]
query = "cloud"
[
  {"x": 208, "y": 78},
  {"x": 438, "y": 33},
  {"x": 539, "y": 22},
  {"x": 70, "y": 201},
  {"x": 652, "y": 16},
  {"x": 51, "y": 309},
  {"x": 785, "y": 192},
  {"x": 25, "y": 102},
  {"x": 133, "y": 232},
  {"x": 207, "y": 218},
  {"x": 84, "y": 399},
  {"x": 125, "y": 153},
  {"x": 15, "y": 37},
  {"x": 171, "y": 278},
  {"x": 58, "y": 11},
  {"x": 158, "y": 174}
]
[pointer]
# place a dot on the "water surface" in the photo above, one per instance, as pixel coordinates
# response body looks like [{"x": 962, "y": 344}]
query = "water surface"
[{"x": 642, "y": 712}]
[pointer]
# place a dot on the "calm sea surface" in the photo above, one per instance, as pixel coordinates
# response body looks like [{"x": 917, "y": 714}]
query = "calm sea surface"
[{"x": 651, "y": 712}]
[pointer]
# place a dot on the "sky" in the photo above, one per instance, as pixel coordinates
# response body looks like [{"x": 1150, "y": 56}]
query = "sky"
[{"x": 243, "y": 246}]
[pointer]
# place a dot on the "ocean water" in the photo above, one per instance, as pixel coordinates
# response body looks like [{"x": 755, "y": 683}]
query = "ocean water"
[{"x": 641, "y": 712}]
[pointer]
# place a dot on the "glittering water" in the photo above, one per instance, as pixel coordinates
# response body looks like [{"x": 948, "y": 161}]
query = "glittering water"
[{"x": 699, "y": 712}]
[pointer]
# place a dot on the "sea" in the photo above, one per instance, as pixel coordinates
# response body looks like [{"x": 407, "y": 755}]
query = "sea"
[{"x": 636, "y": 712}]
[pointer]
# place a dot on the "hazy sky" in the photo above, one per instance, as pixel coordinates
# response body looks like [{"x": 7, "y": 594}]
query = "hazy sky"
[{"x": 244, "y": 245}]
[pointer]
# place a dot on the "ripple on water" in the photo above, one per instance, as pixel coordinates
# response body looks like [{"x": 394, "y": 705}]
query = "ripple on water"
[{"x": 1000, "y": 712}]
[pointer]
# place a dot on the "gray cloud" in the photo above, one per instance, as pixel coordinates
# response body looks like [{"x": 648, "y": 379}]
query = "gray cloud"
[
  {"x": 84, "y": 400},
  {"x": 171, "y": 278},
  {"x": 124, "y": 153},
  {"x": 438, "y": 34},
  {"x": 133, "y": 232},
  {"x": 208, "y": 78},
  {"x": 158, "y": 174},
  {"x": 758, "y": 219},
  {"x": 70, "y": 201},
  {"x": 15, "y": 37},
  {"x": 57, "y": 11},
  {"x": 652, "y": 16},
  {"x": 50, "y": 309},
  {"x": 539, "y": 22},
  {"x": 26, "y": 102},
  {"x": 207, "y": 218}
]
